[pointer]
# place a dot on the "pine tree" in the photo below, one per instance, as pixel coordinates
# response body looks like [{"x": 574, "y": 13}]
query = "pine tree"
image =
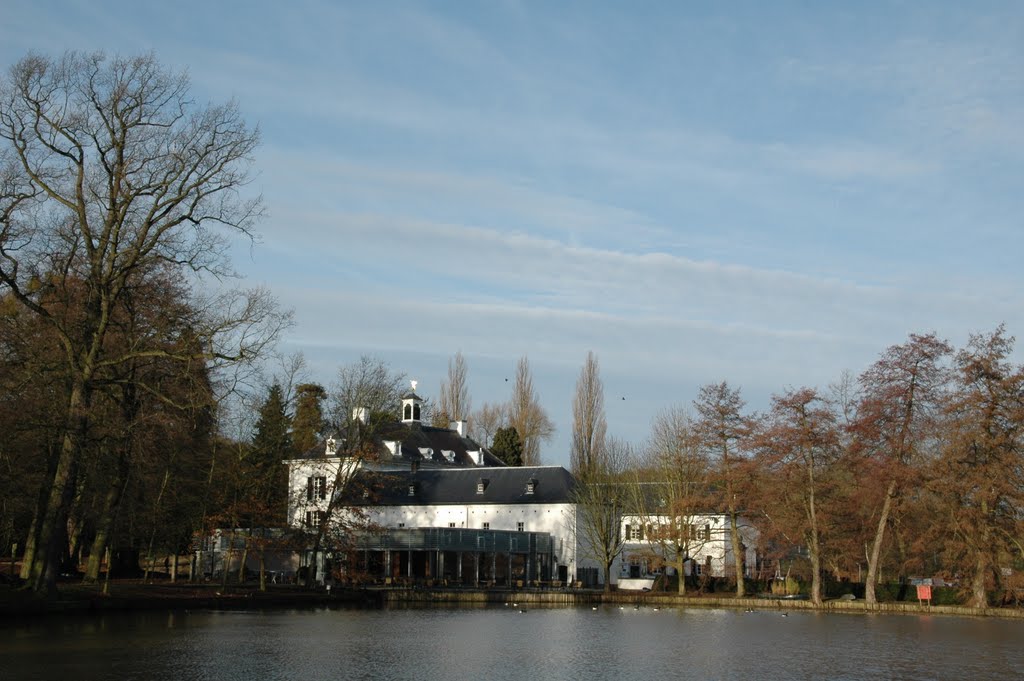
[
  {"x": 309, "y": 417},
  {"x": 271, "y": 443},
  {"x": 508, "y": 447}
]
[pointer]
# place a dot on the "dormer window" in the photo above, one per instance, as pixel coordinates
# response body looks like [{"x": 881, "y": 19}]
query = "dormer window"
[
  {"x": 426, "y": 453},
  {"x": 412, "y": 489},
  {"x": 481, "y": 485},
  {"x": 449, "y": 455},
  {"x": 531, "y": 485}
]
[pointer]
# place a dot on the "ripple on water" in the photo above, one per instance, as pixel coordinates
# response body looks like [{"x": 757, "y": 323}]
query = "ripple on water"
[{"x": 500, "y": 643}]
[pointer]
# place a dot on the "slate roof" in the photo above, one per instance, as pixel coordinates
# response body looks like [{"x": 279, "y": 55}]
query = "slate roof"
[
  {"x": 437, "y": 486},
  {"x": 414, "y": 437}
]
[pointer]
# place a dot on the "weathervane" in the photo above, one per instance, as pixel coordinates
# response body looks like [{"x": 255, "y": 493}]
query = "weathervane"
[{"x": 413, "y": 385}]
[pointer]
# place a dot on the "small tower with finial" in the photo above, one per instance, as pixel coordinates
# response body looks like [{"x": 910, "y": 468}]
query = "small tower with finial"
[{"x": 411, "y": 405}]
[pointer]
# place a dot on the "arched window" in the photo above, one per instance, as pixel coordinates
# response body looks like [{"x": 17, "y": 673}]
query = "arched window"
[
  {"x": 415, "y": 412},
  {"x": 408, "y": 412}
]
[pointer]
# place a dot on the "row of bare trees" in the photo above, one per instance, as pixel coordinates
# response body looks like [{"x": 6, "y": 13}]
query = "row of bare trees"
[
  {"x": 514, "y": 429},
  {"x": 913, "y": 468}
]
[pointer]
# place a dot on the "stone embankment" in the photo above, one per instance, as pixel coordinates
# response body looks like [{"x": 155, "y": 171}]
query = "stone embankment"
[
  {"x": 648, "y": 599},
  {"x": 78, "y": 598}
]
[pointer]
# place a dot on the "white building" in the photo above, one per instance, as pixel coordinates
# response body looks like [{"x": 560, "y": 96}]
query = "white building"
[
  {"x": 490, "y": 525},
  {"x": 440, "y": 496},
  {"x": 651, "y": 542},
  {"x": 400, "y": 446}
]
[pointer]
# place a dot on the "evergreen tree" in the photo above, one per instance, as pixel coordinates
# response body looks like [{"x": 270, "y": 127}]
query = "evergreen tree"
[
  {"x": 508, "y": 447},
  {"x": 266, "y": 479},
  {"x": 308, "y": 423}
]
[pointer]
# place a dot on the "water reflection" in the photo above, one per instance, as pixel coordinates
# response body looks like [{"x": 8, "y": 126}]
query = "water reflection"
[{"x": 500, "y": 643}]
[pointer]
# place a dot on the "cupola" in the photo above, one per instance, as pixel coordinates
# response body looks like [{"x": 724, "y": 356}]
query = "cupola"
[{"x": 412, "y": 404}]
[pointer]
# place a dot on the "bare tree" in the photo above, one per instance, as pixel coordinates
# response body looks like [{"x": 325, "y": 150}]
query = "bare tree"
[
  {"x": 720, "y": 427},
  {"x": 453, "y": 401},
  {"x": 366, "y": 384},
  {"x": 980, "y": 480},
  {"x": 671, "y": 502},
  {"x": 366, "y": 398},
  {"x": 896, "y": 418},
  {"x": 602, "y": 494},
  {"x": 110, "y": 172},
  {"x": 588, "y": 419},
  {"x": 487, "y": 420},
  {"x": 527, "y": 416},
  {"x": 797, "y": 445}
]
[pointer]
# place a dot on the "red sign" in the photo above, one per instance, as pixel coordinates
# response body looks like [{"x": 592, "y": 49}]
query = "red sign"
[{"x": 924, "y": 592}]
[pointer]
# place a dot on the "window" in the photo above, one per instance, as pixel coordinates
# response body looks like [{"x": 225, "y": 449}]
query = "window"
[
  {"x": 634, "y": 532},
  {"x": 451, "y": 524},
  {"x": 531, "y": 485},
  {"x": 487, "y": 526},
  {"x": 407, "y": 412},
  {"x": 707, "y": 533},
  {"x": 412, "y": 490},
  {"x": 401, "y": 524},
  {"x": 316, "y": 488},
  {"x": 481, "y": 485},
  {"x": 519, "y": 527},
  {"x": 315, "y": 519}
]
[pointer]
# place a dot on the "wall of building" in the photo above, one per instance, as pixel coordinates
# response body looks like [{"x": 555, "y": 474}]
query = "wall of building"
[
  {"x": 558, "y": 520},
  {"x": 299, "y": 473},
  {"x": 713, "y": 542}
]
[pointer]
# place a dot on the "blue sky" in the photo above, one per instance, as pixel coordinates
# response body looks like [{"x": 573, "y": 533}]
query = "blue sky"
[{"x": 764, "y": 193}]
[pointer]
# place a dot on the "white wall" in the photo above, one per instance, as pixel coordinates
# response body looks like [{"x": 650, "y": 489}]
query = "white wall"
[
  {"x": 718, "y": 548},
  {"x": 555, "y": 519},
  {"x": 299, "y": 471}
]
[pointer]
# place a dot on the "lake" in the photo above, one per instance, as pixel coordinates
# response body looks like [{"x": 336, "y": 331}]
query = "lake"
[{"x": 500, "y": 643}]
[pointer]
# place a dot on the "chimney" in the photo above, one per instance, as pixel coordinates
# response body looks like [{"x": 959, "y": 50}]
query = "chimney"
[
  {"x": 359, "y": 414},
  {"x": 460, "y": 427}
]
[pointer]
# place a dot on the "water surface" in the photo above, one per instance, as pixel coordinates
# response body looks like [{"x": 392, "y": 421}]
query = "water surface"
[{"x": 501, "y": 643}]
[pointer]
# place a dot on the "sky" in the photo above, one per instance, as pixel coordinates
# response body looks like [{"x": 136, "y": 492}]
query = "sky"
[{"x": 768, "y": 194}]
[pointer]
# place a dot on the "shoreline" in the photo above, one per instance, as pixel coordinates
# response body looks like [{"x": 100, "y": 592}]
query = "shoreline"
[{"x": 126, "y": 597}]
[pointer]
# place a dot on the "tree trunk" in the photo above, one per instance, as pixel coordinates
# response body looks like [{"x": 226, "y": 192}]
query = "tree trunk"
[
  {"x": 978, "y": 597},
  {"x": 681, "y": 571},
  {"x": 241, "y": 563},
  {"x": 815, "y": 546},
  {"x": 106, "y": 576},
  {"x": 607, "y": 577},
  {"x": 53, "y": 526},
  {"x": 105, "y": 524},
  {"x": 876, "y": 546},
  {"x": 263, "y": 572},
  {"x": 737, "y": 552},
  {"x": 28, "y": 557}
]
